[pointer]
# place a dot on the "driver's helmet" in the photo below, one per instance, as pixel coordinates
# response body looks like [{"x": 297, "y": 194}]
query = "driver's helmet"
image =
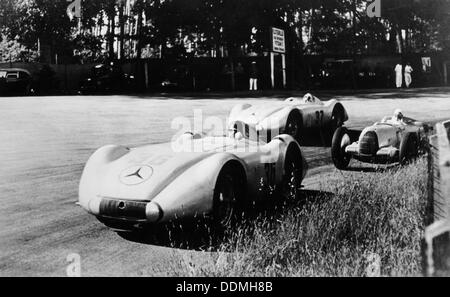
[
  {"x": 308, "y": 98},
  {"x": 235, "y": 133},
  {"x": 398, "y": 115},
  {"x": 238, "y": 136}
]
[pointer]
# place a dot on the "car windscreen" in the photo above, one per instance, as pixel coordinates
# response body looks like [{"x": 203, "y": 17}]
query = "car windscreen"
[
  {"x": 23, "y": 75},
  {"x": 13, "y": 75}
]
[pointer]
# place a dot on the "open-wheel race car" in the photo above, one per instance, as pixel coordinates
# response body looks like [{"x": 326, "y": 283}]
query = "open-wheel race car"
[
  {"x": 192, "y": 177},
  {"x": 394, "y": 139},
  {"x": 294, "y": 116}
]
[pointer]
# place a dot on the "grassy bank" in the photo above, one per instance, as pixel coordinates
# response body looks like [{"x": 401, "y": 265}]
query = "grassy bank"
[{"x": 355, "y": 221}]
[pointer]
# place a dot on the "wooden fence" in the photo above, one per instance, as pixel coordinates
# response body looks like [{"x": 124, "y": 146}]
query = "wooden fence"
[{"x": 436, "y": 251}]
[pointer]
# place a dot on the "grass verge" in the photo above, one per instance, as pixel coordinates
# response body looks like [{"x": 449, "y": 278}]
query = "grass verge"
[{"x": 371, "y": 221}]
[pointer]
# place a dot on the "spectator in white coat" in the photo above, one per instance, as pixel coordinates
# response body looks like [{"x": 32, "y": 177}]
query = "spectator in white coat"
[
  {"x": 398, "y": 75},
  {"x": 408, "y": 77}
]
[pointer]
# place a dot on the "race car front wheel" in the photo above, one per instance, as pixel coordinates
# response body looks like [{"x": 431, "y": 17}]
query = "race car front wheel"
[
  {"x": 341, "y": 139},
  {"x": 409, "y": 148},
  {"x": 226, "y": 196},
  {"x": 292, "y": 177}
]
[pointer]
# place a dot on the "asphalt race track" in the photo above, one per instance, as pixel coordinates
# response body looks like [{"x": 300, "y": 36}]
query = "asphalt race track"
[{"x": 45, "y": 141}]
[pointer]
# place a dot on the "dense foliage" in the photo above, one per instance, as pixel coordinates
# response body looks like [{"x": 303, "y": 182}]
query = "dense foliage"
[{"x": 136, "y": 28}]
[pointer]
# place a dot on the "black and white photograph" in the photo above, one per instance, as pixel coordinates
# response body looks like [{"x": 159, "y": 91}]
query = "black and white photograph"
[{"x": 225, "y": 140}]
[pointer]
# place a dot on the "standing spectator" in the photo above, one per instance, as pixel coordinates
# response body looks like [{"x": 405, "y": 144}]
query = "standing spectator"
[
  {"x": 240, "y": 78},
  {"x": 253, "y": 77},
  {"x": 226, "y": 77},
  {"x": 398, "y": 75},
  {"x": 408, "y": 77}
]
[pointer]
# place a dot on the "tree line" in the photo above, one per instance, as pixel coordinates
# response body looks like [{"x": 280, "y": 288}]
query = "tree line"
[{"x": 126, "y": 29}]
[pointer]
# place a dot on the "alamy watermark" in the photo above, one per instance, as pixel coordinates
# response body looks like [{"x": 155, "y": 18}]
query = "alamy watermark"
[
  {"x": 74, "y": 8},
  {"x": 374, "y": 9},
  {"x": 203, "y": 134},
  {"x": 74, "y": 267}
]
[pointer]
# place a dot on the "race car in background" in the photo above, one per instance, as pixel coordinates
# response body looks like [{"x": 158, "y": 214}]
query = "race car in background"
[
  {"x": 394, "y": 139},
  {"x": 294, "y": 116},
  {"x": 192, "y": 177}
]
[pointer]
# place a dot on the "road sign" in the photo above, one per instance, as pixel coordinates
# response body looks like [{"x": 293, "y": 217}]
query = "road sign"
[{"x": 278, "y": 41}]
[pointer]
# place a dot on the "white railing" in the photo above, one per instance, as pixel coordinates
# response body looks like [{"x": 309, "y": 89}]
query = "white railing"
[{"x": 437, "y": 234}]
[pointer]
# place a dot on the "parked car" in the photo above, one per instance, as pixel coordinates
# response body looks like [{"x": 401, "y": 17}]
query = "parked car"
[
  {"x": 193, "y": 177},
  {"x": 107, "y": 79},
  {"x": 177, "y": 78},
  {"x": 15, "y": 81},
  {"x": 333, "y": 74},
  {"x": 394, "y": 139}
]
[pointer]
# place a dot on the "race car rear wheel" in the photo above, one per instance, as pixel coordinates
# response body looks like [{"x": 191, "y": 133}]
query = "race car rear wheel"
[
  {"x": 341, "y": 139},
  {"x": 226, "y": 196},
  {"x": 292, "y": 176},
  {"x": 337, "y": 120},
  {"x": 409, "y": 148},
  {"x": 293, "y": 125}
]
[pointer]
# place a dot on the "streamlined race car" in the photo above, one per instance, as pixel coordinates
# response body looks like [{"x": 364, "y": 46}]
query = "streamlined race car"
[
  {"x": 294, "y": 116},
  {"x": 394, "y": 139},
  {"x": 194, "y": 176}
]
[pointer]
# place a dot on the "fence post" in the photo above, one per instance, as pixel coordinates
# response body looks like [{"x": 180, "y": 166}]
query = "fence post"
[
  {"x": 436, "y": 245},
  {"x": 146, "y": 75}
]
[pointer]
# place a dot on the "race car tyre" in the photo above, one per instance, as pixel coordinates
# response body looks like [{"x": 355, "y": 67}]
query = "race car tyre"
[
  {"x": 341, "y": 139},
  {"x": 293, "y": 125},
  {"x": 337, "y": 120},
  {"x": 292, "y": 176},
  {"x": 409, "y": 148},
  {"x": 226, "y": 195}
]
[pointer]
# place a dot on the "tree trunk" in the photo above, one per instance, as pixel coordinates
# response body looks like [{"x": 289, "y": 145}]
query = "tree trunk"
[
  {"x": 355, "y": 28},
  {"x": 45, "y": 50},
  {"x": 392, "y": 40},
  {"x": 399, "y": 39},
  {"x": 112, "y": 29},
  {"x": 231, "y": 55},
  {"x": 311, "y": 25},
  {"x": 122, "y": 31},
  {"x": 139, "y": 34},
  {"x": 407, "y": 41},
  {"x": 233, "y": 75}
]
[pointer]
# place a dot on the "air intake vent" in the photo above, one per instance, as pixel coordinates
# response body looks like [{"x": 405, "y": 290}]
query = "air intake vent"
[
  {"x": 123, "y": 209},
  {"x": 369, "y": 144}
]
